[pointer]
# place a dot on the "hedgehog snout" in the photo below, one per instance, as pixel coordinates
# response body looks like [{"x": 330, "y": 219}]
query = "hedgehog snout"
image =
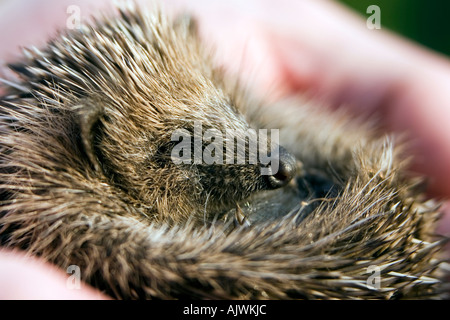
[{"x": 287, "y": 168}]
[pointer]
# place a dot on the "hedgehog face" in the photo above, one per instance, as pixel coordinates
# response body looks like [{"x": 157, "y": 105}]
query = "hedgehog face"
[
  {"x": 186, "y": 164},
  {"x": 225, "y": 163}
]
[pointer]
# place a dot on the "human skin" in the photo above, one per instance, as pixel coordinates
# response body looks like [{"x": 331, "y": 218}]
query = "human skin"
[
  {"x": 311, "y": 47},
  {"x": 23, "y": 277}
]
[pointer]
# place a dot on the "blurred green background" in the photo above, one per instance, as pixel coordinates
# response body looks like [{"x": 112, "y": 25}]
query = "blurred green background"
[{"x": 425, "y": 21}]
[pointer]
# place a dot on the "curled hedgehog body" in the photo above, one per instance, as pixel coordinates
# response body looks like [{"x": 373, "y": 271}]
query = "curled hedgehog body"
[{"x": 87, "y": 179}]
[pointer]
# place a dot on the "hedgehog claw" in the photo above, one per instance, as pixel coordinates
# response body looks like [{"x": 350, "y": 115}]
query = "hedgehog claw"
[{"x": 240, "y": 218}]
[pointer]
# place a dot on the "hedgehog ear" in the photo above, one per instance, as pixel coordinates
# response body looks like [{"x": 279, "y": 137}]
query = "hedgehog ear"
[
  {"x": 187, "y": 24},
  {"x": 88, "y": 116}
]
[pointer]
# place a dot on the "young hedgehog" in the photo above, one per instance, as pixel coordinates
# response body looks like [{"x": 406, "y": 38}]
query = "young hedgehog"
[{"x": 87, "y": 179}]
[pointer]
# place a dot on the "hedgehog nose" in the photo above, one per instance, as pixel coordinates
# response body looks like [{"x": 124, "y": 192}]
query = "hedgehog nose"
[{"x": 287, "y": 167}]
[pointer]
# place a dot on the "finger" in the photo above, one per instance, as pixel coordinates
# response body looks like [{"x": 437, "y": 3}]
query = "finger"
[
  {"x": 29, "y": 278},
  {"x": 30, "y": 22}
]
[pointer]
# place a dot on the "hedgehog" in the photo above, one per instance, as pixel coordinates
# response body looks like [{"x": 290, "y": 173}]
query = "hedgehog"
[{"x": 88, "y": 177}]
